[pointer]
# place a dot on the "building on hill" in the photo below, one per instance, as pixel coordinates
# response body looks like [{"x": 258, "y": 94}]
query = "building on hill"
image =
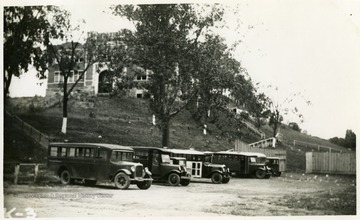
[{"x": 97, "y": 79}]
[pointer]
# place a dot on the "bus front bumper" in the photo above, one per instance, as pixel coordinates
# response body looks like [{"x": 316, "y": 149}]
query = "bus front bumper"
[{"x": 185, "y": 176}]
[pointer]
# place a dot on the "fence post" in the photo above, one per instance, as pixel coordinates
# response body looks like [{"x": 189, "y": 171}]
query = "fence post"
[
  {"x": 36, "y": 171},
  {"x": 16, "y": 173},
  {"x": 294, "y": 143}
]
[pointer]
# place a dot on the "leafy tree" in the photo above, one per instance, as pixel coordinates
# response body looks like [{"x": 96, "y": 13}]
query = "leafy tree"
[
  {"x": 104, "y": 48},
  {"x": 27, "y": 30},
  {"x": 350, "y": 139},
  {"x": 165, "y": 39},
  {"x": 275, "y": 121},
  {"x": 294, "y": 126},
  {"x": 280, "y": 109},
  {"x": 215, "y": 64},
  {"x": 338, "y": 141}
]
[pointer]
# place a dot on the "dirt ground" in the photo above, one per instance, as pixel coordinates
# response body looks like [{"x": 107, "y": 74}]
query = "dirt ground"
[{"x": 290, "y": 194}]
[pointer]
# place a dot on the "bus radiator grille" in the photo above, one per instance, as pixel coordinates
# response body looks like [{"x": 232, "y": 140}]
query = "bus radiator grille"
[{"x": 139, "y": 171}]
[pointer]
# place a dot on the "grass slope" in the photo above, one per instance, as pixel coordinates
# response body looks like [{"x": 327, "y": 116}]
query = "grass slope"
[{"x": 128, "y": 121}]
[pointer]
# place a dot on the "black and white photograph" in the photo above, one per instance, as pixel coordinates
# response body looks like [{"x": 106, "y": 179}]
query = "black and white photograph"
[{"x": 180, "y": 109}]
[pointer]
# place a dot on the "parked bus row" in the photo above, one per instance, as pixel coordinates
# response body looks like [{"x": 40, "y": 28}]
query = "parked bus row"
[{"x": 140, "y": 165}]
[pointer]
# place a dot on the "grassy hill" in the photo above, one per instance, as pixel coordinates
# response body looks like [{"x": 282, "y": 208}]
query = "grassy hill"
[{"x": 128, "y": 121}]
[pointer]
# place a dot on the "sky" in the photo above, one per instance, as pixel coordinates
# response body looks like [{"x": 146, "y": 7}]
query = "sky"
[{"x": 311, "y": 48}]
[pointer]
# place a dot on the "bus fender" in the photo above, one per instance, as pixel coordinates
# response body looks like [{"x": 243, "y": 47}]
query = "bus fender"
[
  {"x": 174, "y": 171},
  {"x": 215, "y": 171},
  {"x": 127, "y": 172},
  {"x": 262, "y": 168}
]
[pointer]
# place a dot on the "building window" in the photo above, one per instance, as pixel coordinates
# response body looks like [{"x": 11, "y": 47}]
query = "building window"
[
  {"x": 74, "y": 75},
  {"x": 77, "y": 75},
  {"x": 71, "y": 77},
  {"x": 58, "y": 77}
]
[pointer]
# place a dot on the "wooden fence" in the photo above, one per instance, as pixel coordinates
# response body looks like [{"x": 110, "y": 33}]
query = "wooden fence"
[
  {"x": 255, "y": 130},
  {"x": 28, "y": 130},
  {"x": 316, "y": 147},
  {"x": 270, "y": 142},
  {"x": 270, "y": 152},
  {"x": 30, "y": 170},
  {"x": 330, "y": 163}
]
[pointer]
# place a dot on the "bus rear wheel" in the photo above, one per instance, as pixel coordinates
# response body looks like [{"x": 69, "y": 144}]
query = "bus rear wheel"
[
  {"x": 122, "y": 181},
  {"x": 65, "y": 177},
  {"x": 90, "y": 182},
  {"x": 216, "y": 178}
]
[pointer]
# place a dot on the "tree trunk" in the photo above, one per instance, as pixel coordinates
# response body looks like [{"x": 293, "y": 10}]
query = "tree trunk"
[
  {"x": 275, "y": 129},
  {"x": 165, "y": 128},
  {"x": 65, "y": 104},
  {"x": 7, "y": 83}
]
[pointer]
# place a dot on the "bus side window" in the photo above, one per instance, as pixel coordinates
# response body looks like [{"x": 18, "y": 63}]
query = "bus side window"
[
  {"x": 71, "y": 152},
  {"x": 155, "y": 158},
  {"x": 53, "y": 151},
  {"x": 89, "y": 152},
  {"x": 79, "y": 152},
  {"x": 114, "y": 155},
  {"x": 63, "y": 152},
  {"x": 102, "y": 154}
]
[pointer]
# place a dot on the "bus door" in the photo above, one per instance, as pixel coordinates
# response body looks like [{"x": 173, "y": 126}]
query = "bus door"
[
  {"x": 83, "y": 165},
  {"x": 196, "y": 168},
  {"x": 154, "y": 161},
  {"x": 101, "y": 161},
  {"x": 243, "y": 165}
]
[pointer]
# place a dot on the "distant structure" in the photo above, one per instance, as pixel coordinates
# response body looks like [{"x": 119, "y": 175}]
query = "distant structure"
[{"x": 97, "y": 80}]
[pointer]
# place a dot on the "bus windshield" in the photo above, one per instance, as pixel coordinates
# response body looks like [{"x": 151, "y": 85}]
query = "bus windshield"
[
  {"x": 117, "y": 156},
  {"x": 165, "y": 158},
  {"x": 261, "y": 160},
  {"x": 252, "y": 159}
]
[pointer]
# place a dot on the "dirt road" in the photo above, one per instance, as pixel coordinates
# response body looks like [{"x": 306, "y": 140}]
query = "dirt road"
[{"x": 246, "y": 197}]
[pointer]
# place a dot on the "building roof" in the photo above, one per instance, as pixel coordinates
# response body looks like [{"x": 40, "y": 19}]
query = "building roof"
[
  {"x": 242, "y": 153},
  {"x": 153, "y": 148},
  {"x": 104, "y": 145},
  {"x": 186, "y": 151}
]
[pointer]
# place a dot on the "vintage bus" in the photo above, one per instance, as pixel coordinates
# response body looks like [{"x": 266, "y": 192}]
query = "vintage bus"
[
  {"x": 161, "y": 166},
  {"x": 243, "y": 163},
  {"x": 277, "y": 165},
  {"x": 92, "y": 162},
  {"x": 202, "y": 167}
]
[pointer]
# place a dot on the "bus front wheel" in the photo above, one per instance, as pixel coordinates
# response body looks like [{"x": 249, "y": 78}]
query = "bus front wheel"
[
  {"x": 226, "y": 180},
  {"x": 185, "y": 182},
  {"x": 173, "y": 179},
  {"x": 260, "y": 174},
  {"x": 122, "y": 181},
  {"x": 144, "y": 185},
  {"x": 216, "y": 178}
]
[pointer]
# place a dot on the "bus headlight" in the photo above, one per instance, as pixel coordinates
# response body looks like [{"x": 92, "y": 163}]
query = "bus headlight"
[
  {"x": 147, "y": 171},
  {"x": 132, "y": 169}
]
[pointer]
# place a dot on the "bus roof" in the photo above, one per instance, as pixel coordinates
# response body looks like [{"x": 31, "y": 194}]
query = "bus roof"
[
  {"x": 109, "y": 146},
  {"x": 186, "y": 151},
  {"x": 154, "y": 148},
  {"x": 241, "y": 153}
]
